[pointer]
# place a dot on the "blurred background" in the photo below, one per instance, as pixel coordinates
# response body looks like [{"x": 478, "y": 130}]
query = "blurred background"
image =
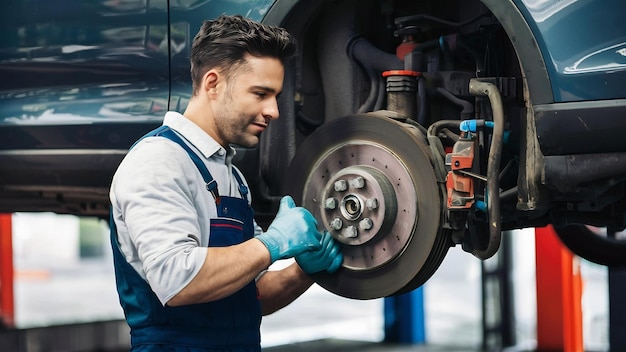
[{"x": 64, "y": 275}]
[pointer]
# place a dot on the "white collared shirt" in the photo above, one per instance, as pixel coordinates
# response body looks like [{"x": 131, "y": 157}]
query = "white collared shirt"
[{"x": 162, "y": 208}]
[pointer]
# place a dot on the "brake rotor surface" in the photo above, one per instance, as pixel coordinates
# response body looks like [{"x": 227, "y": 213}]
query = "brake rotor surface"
[{"x": 368, "y": 180}]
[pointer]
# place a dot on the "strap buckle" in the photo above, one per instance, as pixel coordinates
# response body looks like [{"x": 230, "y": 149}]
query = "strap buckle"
[{"x": 212, "y": 187}]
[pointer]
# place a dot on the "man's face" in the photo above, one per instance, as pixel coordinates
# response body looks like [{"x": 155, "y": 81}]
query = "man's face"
[{"x": 248, "y": 102}]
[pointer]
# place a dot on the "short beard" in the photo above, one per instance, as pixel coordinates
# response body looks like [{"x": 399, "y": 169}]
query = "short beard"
[{"x": 229, "y": 131}]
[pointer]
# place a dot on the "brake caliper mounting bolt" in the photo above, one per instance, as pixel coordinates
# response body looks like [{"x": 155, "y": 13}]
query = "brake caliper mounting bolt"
[
  {"x": 330, "y": 203},
  {"x": 366, "y": 224},
  {"x": 341, "y": 186},
  {"x": 350, "y": 232},
  {"x": 336, "y": 224},
  {"x": 371, "y": 203},
  {"x": 358, "y": 182}
]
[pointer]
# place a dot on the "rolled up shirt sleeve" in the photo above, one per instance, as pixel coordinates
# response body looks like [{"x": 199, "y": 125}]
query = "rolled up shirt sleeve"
[{"x": 155, "y": 195}]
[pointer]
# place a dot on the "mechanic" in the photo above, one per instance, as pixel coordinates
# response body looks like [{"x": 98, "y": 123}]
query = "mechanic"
[{"x": 190, "y": 261}]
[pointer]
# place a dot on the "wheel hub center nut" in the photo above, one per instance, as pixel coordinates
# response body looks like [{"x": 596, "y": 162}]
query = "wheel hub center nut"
[
  {"x": 351, "y": 207},
  {"x": 359, "y": 202}
]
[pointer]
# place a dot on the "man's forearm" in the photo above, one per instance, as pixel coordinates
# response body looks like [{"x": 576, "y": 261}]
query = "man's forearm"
[
  {"x": 279, "y": 288},
  {"x": 225, "y": 271}
]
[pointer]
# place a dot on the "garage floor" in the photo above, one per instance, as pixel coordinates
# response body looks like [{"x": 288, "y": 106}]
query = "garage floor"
[{"x": 332, "y": 345}]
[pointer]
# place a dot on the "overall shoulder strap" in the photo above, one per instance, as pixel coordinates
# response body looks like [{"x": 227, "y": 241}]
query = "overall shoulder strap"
[
  {"x": 243, "y": 190},
  {"x": 211, "y": 184}
]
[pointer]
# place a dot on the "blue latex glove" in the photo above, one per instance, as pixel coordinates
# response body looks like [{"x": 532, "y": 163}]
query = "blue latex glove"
[
  {"x": 293, "y": 232},
  {"x": 328, "y": 257}
]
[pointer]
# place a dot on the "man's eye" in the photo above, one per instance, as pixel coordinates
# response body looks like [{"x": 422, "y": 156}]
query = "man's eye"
[{"x": 261, "y": 94}]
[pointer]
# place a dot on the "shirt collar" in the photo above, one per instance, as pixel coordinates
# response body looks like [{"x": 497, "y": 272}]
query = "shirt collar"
[{"x": 196, "y": 136}]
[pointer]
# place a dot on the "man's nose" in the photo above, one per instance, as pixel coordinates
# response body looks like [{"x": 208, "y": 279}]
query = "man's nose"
[{"x": 270, "y": 109}]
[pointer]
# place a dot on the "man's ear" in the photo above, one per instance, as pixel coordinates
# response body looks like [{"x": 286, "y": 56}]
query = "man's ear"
[{"x": 210, "y": 81}]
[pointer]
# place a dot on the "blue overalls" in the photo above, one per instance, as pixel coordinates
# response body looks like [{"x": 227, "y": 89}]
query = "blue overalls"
[{"x": 229, "y": 324}]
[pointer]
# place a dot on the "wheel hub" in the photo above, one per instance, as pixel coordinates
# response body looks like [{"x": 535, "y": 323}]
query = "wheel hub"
[
  {"x": 369, "y": 182},
  {"x": 359, "y": 203}
]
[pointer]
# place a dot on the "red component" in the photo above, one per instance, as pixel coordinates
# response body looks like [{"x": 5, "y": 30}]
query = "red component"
[
  {"x": 460, "y": 187},
  {"x": 401, "y": 73},
  {"x": 7, "y": 308},
  {"x": 407, "y": 45},
  {"x": 460, "y": 191},
  {"x": 461, "y": 162},
  {"x": 461, "y": 183},
  {"x": 462, "y": 155},
  {"x": 559, "y": 295}
]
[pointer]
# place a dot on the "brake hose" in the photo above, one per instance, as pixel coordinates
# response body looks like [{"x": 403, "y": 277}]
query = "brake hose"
[{"x": 479, "y": 88}]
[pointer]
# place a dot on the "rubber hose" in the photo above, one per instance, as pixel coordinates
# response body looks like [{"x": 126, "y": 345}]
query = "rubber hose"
[
  {"x": 437, "y": 148},
  {"x": 490, "y": 90}
]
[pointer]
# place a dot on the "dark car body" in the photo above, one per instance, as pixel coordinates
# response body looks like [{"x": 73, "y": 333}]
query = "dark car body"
[{"x": 82, "y": 80}]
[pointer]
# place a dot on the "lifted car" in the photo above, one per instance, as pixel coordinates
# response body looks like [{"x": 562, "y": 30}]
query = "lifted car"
[{"x": 407, "y": 126}]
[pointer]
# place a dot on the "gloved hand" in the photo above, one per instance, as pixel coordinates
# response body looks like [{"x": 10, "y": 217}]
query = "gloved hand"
[
  {"x": 292, "y": 232},
  {"x": 328, "y": 257}
]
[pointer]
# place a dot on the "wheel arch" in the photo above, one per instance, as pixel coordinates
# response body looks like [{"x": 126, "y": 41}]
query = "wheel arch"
[
  {"x": 536, "y": 81},
  {"x": 534, "y": 72}
]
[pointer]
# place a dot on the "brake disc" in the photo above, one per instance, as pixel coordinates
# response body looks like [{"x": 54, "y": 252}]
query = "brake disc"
[{"x": 369, "y": 181}]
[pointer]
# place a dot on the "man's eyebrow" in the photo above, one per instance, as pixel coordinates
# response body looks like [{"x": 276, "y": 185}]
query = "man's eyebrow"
[{"x": 263, "y": 88}]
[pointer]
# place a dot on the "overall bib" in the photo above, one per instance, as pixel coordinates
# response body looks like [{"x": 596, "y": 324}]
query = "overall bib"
[{"x": 229, "y": 324}]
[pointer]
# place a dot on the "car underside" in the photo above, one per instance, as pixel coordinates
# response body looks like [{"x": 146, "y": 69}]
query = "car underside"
[
  {"x": 407, "y": 128},
  {"x": 419, "y": 125}
]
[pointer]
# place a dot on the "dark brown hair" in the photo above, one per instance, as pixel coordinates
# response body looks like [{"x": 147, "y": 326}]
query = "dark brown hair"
[{"x": 224, "y": 42}]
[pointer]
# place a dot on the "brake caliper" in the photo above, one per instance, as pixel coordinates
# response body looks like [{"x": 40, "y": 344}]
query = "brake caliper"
[{"x": 459, "y": 183}]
